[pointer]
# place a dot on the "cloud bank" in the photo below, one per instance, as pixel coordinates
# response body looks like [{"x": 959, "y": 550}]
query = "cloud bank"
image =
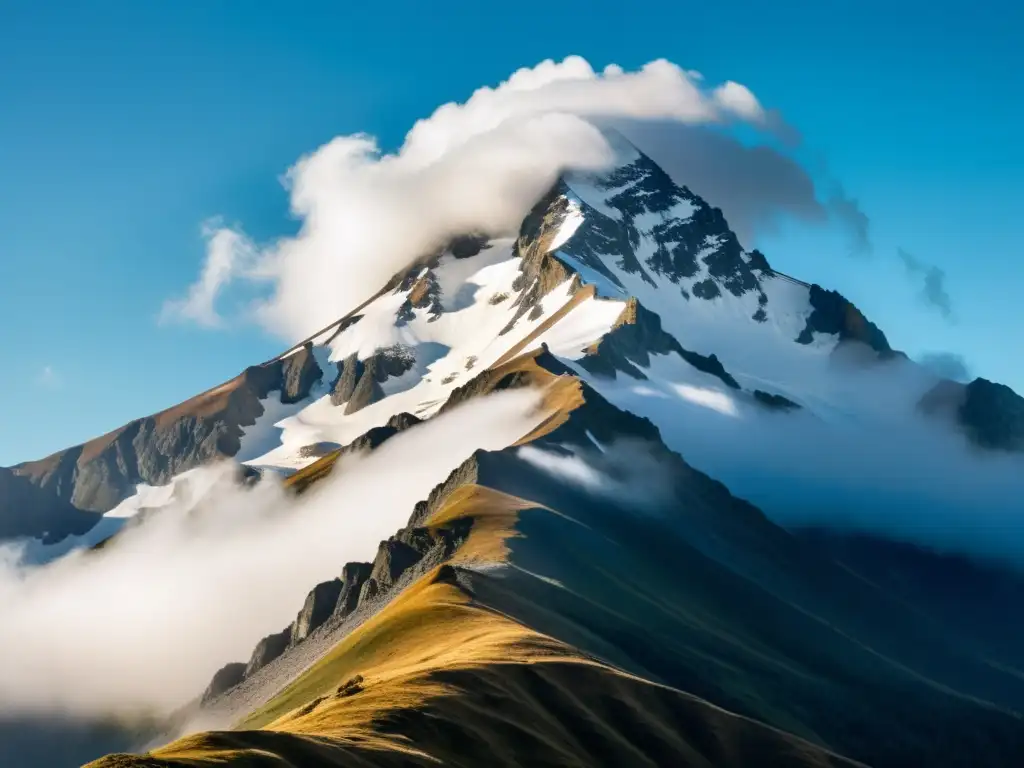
[
  {"x": 479, "y": 166},
  {"x": 140, "y": 627},
  {"x": 860, "y": 456}
]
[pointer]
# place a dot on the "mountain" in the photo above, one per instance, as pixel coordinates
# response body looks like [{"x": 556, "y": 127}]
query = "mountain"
[{"x": 593, "y": 593}]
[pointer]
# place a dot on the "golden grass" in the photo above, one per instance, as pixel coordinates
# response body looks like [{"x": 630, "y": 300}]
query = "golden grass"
[
  {"x": 494, "y": 515},
  {"x": 437, "y": 679},
  {"x": 448, "y": 682}
]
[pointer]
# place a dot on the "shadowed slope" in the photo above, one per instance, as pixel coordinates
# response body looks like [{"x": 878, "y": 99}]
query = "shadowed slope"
[{"x": 436, "y": 678}]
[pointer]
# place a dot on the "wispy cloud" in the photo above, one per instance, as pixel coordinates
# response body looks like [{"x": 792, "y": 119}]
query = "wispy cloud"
[
  {"x": 228, "y": 254},
  {"x": 848, "y": 213},
  {"x": 933, "y": 288}
]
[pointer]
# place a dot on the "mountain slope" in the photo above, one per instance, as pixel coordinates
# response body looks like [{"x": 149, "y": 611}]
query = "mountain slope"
[
  {"x": 599, "y": 553},
  {"x": 694, "y": 590}
]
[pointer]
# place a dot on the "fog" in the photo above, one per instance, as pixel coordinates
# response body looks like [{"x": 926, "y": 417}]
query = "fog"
[
  {"x": 140, "y": 626},
  {"x": 860, "y": 456}
]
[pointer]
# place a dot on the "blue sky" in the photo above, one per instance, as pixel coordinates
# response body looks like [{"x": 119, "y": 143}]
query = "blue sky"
[{"x": 125, "y": 125}]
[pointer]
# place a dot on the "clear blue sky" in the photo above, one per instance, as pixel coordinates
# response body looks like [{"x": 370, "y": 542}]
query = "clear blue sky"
[{"x": 124, "y": 124}]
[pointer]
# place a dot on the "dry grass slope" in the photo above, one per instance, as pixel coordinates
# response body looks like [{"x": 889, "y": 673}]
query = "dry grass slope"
[{"x": 438, "y": 679}]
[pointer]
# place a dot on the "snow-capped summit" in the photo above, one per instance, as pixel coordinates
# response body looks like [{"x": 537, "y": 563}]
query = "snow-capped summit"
[{"x": 624, "y": 275}]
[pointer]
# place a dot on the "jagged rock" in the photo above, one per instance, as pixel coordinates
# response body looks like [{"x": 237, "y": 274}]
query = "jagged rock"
[
  {"x": 636, "y": 335},
  {"x": 268, "y": 649},
  {"x": 299, "y": 372},
  {"x": 367, "y": 389},
  {"x": 98, "y": 475},
  {"x": 833, "y": 314},
  {"x": 353, "y": 577},
  {"x": 393, "y": 558},
  {"x": 993, "y": 415},
  {"x": 226, "y": 677},
  {"x": 319, "y": 606},
  {"x": 359, "y": 383},
  {"x": 351, "y": 372},
  {"x": 775, "y": 402}
]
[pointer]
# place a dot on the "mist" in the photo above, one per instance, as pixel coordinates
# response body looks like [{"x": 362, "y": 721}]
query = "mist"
[
  {"x": 138, "y": 628},
  {"x": 859, "y": 457}
]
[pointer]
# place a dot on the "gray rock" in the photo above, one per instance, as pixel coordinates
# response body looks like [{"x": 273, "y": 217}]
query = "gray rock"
[
  {"x": 226, "y": 677},
  {"x": 299, "y": 372},
  {"x": 319, "y": 606},
  {"x": 268, "y": 649},
  {"x": 345, "y": 386},
  {"x": 353, "y": 577}
]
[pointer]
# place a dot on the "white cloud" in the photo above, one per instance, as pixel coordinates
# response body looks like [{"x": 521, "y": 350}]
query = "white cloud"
[
  {"x": 475, "y": 166},
  {"x": 228, "y": 255},
  {"x": 141, "y": 626},
  {"x": 739, "y": 100}
]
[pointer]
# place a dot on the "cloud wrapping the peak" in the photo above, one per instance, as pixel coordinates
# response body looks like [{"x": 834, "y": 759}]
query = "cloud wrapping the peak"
[{"x": 475, "y": 166}]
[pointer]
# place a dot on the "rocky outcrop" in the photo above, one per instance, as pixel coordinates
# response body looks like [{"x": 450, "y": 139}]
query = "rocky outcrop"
[
  {"x": 226, "y": 677},
  {"x": 268, "y": 649},
  {"x": 319, "y": 606},
  {"x": 98, "y": 475},
  {"x": 394, "y": 557},
  {"x": 299, "y": 372},
  {"x": 993, "y": 416},
  {"x": 353, "y": 577},
  {"x": 28, "y": 510},
  {"x": 775, "y": 402},
  {"x": 990, "y": 414},
  {"x": 359, "y": 381},
  {"x": 351, "y": 370},
  {"x": 833, "y": 314},
  {"x": 635, "y": 337}
]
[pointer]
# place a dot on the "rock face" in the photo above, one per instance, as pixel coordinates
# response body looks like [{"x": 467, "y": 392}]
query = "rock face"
[
  {"x": 775, "y": 402},
  {"x": 226, "y": 677},
  {"x": 72, "y": 487},
  {"x": 353, "y": 576},
  {"x": 32, "y": 511},
  {"x": 299, "y": 372},
  {"x": 636, "y": 336},
  {"x": 319, "y": 606},
  {"x": 993, "y": 415},
  {"x": 268, "y": 649},
  {"x": 393, "y": 558},
  {"x": 833, "y": 314},
  {"x": 359, "y": 381}
]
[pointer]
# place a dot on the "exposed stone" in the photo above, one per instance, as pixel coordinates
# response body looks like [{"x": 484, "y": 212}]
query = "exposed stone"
[
  {"x": 367, "y": 389},
  {"x": 393, "y": 558},
  {"x": 775, "y": 402},
  {"x": 299, "y": 372},
  {"x": 268, "y": 649},
  {"x": 353, "y": 577},
  {"x": 319, "y": 606},
  {"x": 833, "y": 314},
  {"x": 993, "y": 415},
  {"x": 351, "y": 372},
  {"x": 224, "y": 678}
]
